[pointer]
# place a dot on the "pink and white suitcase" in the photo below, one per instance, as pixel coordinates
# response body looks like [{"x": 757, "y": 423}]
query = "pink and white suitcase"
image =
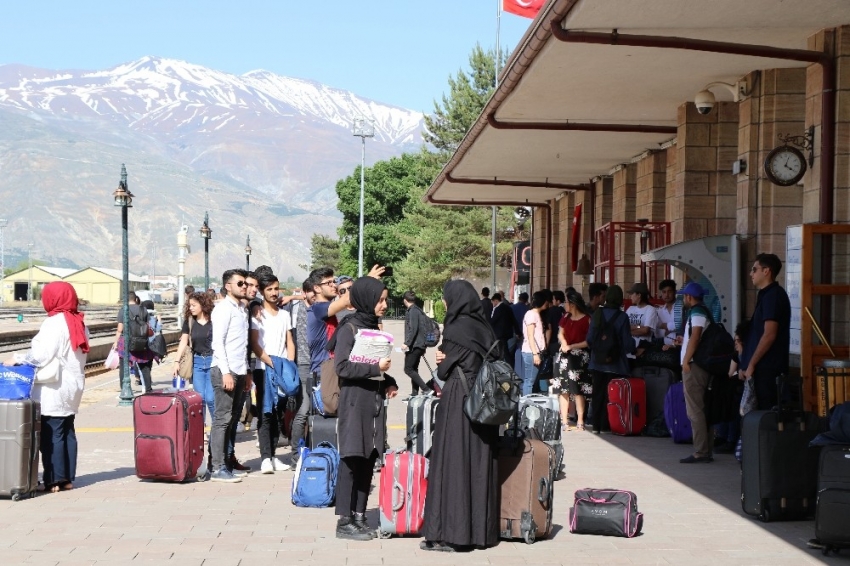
[
  {"x": 169, "y": 435},
  {"x": 401, "y": 495}
]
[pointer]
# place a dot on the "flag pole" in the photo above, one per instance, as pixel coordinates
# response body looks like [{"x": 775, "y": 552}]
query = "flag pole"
[{"x": 493, "y": 211}]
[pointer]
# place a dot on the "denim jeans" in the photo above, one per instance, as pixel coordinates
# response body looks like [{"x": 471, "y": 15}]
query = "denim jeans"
[
  {"x": 225, "y": 416},
  {"x": 529, "y": 373},
  {"x": 58, "y": 449},
  {"x": 201, "y": 384}
]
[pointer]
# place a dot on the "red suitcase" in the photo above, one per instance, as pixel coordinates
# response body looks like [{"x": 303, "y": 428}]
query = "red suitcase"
[
  {"x": 169, "y": 435},
  {"x": 401, "y": 498},
  {"x": 627, "y": 405}
]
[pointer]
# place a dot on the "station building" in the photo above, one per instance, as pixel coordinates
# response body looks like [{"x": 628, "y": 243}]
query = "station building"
[
  {"x": 95, "y": 285},
  {"x": 678, "y": 138}
]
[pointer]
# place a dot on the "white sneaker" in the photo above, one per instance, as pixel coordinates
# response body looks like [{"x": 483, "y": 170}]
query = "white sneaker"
[
  {"x": 279, "y": 466},
  {"x": 258, "y": 444},
  {"x": 240, "y": 427},
  {"x": 267, "y": 467}
]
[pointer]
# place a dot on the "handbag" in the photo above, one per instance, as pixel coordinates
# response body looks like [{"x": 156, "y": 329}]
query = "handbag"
[
  {"x": 545, "y": 369},
  {"x": 113, "y": 360},
  {"x": 187, "y": 360},
  {"x": 494, "y": 397},
  {"x": 51, "y": 372},
  {"x": 157, "y": 346}
]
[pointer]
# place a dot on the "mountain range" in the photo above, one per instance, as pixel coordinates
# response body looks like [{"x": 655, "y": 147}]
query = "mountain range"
[{"x": 261, "y": 152}]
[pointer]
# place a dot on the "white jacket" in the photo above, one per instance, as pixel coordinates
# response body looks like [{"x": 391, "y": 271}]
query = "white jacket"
[{"x": 60, "y": 399}]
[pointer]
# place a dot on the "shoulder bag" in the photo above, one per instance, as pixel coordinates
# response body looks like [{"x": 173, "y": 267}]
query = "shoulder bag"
[
  {"x": 187, "y": 360},
  {"x": 51, "y": 372}
]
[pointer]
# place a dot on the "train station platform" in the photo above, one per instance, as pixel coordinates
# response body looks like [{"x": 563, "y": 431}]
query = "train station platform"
[{"x": 692, "y": 513}]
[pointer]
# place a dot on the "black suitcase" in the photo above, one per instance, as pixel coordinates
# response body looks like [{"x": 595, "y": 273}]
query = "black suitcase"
[
  {"x": 658, "y": 381},
  {"x": 321, "y": 429},
  {"x": 20, "y": 434},
  {"x": 832, "y": 522},
  {"x": 778, "y": 468},
  {"x": 421, "y": 417}
]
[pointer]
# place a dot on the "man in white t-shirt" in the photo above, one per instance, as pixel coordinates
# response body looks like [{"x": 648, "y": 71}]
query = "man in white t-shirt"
[
  {"x": 271, "y": 335},
  {"x": 694, "y": 378},
  {"x": 643, "y": 316}
]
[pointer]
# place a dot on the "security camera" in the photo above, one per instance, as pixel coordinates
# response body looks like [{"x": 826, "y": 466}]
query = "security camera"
[{"x": 704, "y": 101}]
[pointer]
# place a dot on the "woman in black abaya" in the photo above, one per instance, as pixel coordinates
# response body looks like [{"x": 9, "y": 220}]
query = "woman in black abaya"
[{"x": 462, "y": 504}]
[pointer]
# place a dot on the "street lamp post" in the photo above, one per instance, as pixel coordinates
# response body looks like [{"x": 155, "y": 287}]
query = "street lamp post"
[
  {"x": 29, "y": 285},
  {"x": 124, "y": 198},
  {"x": 3, "y": 224},
  {"x": 644, "y": 239},
  {"x": 206, "y": 234},
  {"x": 248, "y": 253},
  {"x": 363, "y": 129}
]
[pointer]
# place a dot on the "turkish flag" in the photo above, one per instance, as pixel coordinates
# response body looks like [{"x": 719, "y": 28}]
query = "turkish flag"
[{"x": 524, "y": 8}]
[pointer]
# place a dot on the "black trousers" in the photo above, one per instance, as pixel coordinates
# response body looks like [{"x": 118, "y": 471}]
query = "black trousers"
[
  {"x": 268, "y": 429},
  {"x": 411, "y": 368},
  {"x": 599, "y": 400},
  {"x": 354, "y": 483}
]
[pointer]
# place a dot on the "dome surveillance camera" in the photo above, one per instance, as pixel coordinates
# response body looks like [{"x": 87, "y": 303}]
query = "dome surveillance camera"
[{"x": 704, "y": 101}]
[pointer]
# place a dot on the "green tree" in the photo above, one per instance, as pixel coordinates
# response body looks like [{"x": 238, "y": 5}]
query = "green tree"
[
  {"x": 324, "y": 250},
  {"x": 460, "y": 107}
]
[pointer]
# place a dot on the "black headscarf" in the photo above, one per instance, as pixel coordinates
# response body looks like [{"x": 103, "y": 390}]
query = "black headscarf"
[
  {"x": 365, "y": 294},
  {"x": 613, "y": 300},
  {"x": 465, "y": 323}
]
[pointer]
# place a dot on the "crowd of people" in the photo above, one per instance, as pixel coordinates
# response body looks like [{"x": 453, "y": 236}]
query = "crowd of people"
[{"x": 560, "y": 343}]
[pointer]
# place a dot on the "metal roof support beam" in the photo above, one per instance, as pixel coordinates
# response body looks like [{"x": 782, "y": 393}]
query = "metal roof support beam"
[
  {"x": 580, "y": 127},
  {"x": 502, "y": 183},
  {"x": 825, "y": 60}
]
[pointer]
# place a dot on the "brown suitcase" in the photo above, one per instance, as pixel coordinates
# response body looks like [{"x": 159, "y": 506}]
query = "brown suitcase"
[{"x": 526, "y": 479}]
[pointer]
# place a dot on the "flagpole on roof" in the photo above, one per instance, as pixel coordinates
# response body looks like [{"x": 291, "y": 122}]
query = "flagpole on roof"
[
  {"x": 498, "y": 29},
  {"x": 493, "y": 210}
]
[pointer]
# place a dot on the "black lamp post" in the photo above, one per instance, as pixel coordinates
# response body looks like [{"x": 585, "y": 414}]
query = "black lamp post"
[
  {"x": 644, "y": 240},
  {"x": 206, "y": 234},
  {"x": 248, "y": 253},
  {"x": 124, "y": 198}
]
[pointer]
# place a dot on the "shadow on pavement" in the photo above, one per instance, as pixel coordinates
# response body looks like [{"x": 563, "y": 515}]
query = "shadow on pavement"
[{"x": 115, "y": 474}]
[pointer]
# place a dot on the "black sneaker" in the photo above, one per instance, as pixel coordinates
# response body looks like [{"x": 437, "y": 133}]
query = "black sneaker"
[
  {"x": 360, "y": 523},
  {"x": 346, "y": 529}
]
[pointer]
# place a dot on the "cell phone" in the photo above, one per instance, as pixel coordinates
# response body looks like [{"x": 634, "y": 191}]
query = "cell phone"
[{"x": 388, "y": 271}]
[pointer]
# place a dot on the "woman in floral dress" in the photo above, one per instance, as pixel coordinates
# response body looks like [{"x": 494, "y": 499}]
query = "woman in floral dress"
[{"x": 573, "y": 378}]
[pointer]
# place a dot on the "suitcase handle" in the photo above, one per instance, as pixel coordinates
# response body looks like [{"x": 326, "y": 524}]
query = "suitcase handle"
[
  {"x": 398, "y": 496},
  {"x": 543, "y": 491}
]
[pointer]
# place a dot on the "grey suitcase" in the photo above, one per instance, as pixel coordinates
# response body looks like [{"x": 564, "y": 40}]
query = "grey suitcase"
[
  {"x": 658, "y": 381},
  {"x": 321, "y": 429},
  {"x": 421, "y": 416},
  {"x": 20, "y": 433}
]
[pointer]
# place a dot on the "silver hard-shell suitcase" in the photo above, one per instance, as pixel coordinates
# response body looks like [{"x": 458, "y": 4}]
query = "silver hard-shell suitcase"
[{"x": 20, "y": 434}]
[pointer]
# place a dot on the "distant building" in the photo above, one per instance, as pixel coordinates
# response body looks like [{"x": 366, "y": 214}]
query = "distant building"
[
  {"x": 16, "y": 285},
  {"x": 101, "y": 285}
]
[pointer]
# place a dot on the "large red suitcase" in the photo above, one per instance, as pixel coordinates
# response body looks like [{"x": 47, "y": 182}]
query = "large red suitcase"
[
  {"x": 169, "y": 435},
  {"x": 627, "y": 405},
  {"x": 401, "y": 498}
]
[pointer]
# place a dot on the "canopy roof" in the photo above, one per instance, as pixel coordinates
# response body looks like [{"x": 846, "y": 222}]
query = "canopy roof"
[{"x": 547, "y": 80}]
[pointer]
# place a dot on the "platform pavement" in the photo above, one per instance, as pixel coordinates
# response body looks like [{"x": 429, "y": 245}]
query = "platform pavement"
[{"x": 692, "y": 512}]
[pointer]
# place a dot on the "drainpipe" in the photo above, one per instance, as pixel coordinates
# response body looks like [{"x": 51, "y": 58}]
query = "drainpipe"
[
  {"x": 493, "y": 122},
  {"x": 828, "y": 94}
]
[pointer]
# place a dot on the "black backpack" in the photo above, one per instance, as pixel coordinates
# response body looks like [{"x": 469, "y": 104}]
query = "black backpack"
[
  {"x": 431, "y": 330},
  {"x": 606, "y": 347},
  {"x": 139, "y": 330},
  {"x": 716, "y": 346}
]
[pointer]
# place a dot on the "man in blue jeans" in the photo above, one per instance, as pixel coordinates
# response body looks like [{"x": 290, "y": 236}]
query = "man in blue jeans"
[
  {"x": 299, "y": 311},
  {"x": 229, "y": 373}
]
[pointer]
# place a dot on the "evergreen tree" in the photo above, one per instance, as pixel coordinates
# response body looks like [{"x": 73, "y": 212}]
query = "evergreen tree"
[{"x": 460, "y": 107}]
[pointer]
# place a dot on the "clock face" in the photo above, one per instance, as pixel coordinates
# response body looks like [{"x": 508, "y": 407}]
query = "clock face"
[{"x": 785, "y": 166}]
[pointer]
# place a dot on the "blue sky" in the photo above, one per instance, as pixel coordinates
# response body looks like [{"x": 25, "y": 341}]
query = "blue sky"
[{"x": 395, "y": 51}]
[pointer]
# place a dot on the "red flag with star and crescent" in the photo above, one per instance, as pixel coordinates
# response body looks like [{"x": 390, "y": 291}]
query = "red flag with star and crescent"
[{"x": 524, "y": 8}]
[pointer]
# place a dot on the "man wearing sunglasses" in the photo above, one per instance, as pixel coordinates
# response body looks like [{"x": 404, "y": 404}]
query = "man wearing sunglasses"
[
  {"x": 229, "y": 373},
  {"x": 343, "y": 286},
  {"x": 766, "y": 346}
]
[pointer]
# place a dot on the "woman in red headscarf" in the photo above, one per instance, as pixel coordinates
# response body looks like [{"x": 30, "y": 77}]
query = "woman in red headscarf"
[{"x": 62, "y": 336}]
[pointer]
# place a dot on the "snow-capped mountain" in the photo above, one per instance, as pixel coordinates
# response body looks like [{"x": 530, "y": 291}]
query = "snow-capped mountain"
[
  {"x": 155, "y": 94},
  {"x": 260, "y": 151}
]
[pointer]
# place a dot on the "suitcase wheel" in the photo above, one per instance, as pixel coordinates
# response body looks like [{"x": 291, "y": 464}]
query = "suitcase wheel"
[
  {"x": 384, "y": 535},
  {"x": 16, "y": 496},
  {"x": 765, "y": 516},
  {"x": 528, "y": 537}
]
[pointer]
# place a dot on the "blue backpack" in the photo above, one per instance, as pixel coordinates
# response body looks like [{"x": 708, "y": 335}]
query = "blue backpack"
[{"x": 314, "y": 484}]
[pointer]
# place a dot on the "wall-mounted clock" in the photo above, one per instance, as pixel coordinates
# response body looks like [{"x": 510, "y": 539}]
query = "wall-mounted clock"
[{"x": 785, "y": 165}]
